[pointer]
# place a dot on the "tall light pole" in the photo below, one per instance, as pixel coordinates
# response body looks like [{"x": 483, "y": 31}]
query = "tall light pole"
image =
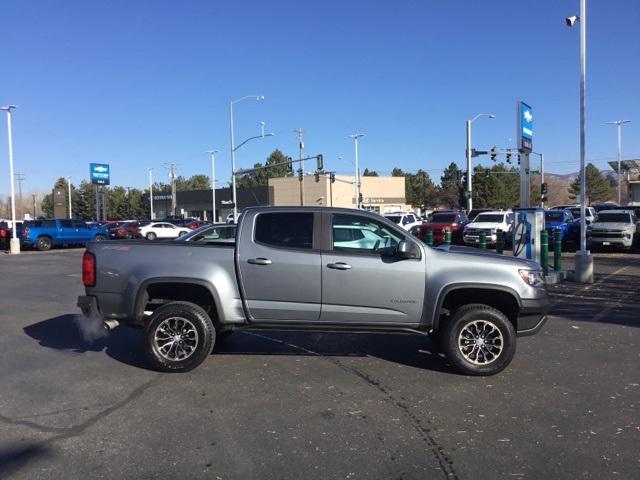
[
  {"x": 584, "y": 260},
  {"x": 213, "y": 184},
  {"x": 14, "y": 244},
  {"x": 619, "y": 124},
  {"x": 356, "y": 137},
  {"x": 233, "y": 150},
  {"x": 151, "y": 214},
  {"x": 470, "y": 154},
  {"x": 69, "y": 192}
]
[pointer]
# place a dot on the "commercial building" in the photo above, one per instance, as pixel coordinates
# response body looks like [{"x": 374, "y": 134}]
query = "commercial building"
[
  {"x": 198, "y": 203},
  {"x": 379, "y": 194}
]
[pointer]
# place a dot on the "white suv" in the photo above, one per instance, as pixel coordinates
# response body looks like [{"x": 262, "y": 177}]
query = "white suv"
[
  {"x": 490, "y": 223},
  {"x": 406, "y": 220}
]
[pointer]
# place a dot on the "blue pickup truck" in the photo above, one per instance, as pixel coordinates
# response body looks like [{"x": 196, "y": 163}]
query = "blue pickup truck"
[
  {"x": 562, "y": 221},
  {"x": 44, "y": 234}
]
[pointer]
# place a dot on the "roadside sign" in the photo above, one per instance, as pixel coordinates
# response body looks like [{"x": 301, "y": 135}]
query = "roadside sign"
[
  {"x": 99, "y": 173},
  {"x": 525, "y": 127}
]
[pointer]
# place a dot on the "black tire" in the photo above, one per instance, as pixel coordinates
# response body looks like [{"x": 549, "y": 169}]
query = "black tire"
[
  {"x": 196, "y": 319},
  {"x": 128, "y": 236},
  {"x": 100, "y": 238},
  {"x": 502, "y": 334},
  {"x": 181, "y": 233},
  {"x": 43, "y": 244},
  {"x": 151, "y": 236}
]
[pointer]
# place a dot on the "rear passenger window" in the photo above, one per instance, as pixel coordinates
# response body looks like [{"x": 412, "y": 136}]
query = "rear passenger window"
[
  {"x": 65, "y": 223},
  {"x": 291, "y": 230}
]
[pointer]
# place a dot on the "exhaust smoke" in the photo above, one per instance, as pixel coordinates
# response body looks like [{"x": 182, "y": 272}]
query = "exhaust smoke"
[{"x": 91, "y": 328}]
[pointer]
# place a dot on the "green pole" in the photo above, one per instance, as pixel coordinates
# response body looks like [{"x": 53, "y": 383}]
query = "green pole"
[
  {"x": 447, "y": 237},
  {"x": 500, "y": 241},
  {"x": 557, "y": 250},
  {"x": 483, "y": 240},
  {"x": 544, "y": 251},
  {"x": 429, "y": 237}
]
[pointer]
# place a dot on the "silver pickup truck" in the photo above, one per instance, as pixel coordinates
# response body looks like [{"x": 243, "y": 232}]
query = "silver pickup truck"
[{"x": 314, "y": 268}]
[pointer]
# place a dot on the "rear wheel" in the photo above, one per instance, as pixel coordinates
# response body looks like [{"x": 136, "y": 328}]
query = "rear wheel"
[
  {"x": 479, "y": 340},
  {"x": 100, "y": 238},
  {"x": 151, "y": 236},
  {"x": 43, "y": 244},
  {"x": 179, "y": 337}
]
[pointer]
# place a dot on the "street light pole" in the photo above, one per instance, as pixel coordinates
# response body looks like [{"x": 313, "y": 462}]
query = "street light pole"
[
  {"x": 469, "y": 155},
  {"x": 14, "y": 244},
  {"x": 233, "y": 151},
  {"x": 541, "y": 155},
  {"x": 356, "y": 138},
  {"x": 151, "y": 214},
  {"x": 619, "y": 124},
  {"x": 69, "y": 189},
  {"x": 213, "y": 184}
]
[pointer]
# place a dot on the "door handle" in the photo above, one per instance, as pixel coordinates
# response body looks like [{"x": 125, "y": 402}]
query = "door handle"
[
  {"x": 339, "y": 266},
  {"x": 259, "y": 261}
]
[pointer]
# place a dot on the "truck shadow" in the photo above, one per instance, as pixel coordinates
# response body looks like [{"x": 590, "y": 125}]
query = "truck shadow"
[
  {"x": 63, "y": 333},
  {"x": 126, "y": 344}
]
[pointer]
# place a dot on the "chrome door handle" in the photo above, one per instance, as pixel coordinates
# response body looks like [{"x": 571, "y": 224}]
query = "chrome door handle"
[
  {"x": 259, "y": 261},
  {"x": 339, "y": 266}
]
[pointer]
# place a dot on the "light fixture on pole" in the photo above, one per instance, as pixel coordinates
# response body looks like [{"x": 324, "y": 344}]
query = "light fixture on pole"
[
  {"x": 619, "y": 124},
  {"x": 14, "y": 243},
  {"x": 213, "y": 182},
  {"x": 233, "y": 150},
  {"x": 469, "y": 155},
  {"x": 584, "y": 260},
  {"x": 356, "y": 137},
  {"x": 69, "y": 192},
  {"x": 151, "y": 214}
]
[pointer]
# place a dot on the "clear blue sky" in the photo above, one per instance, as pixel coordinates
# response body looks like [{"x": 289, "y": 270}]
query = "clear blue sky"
[{"x": 139, "y": 83}]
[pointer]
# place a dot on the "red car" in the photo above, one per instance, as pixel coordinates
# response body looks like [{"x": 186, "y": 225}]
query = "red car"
[
  {"x": 192, "y": 225},
  {"x": 5, "y": 235},
  {"x": 125, "y": 230},
  {"x": 442, "y": 221}
]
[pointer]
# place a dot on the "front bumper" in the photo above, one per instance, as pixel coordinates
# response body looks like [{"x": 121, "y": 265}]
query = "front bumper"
[
  {"x": 613, "y": 241},
  {"x": 532, "y": 315},
  {"x": 475, "y": 239}
]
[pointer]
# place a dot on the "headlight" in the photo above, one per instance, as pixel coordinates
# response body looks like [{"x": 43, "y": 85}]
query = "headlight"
[{"x": 533, "y": 278}]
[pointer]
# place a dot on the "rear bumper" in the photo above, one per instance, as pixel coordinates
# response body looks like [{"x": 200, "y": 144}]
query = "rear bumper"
[
  {"x": 532, "y": 316},
  {"x": 89, "y": 306}
]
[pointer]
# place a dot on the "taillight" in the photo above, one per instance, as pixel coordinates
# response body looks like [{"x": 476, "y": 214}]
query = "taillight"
[
  {"x": 3, "y": 233},
  {"x": 89, "y": 269},
  {"x": 122, "y": 232}
]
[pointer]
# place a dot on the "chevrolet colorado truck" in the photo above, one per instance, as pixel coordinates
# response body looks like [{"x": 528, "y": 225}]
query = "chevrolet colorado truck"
[{"x": 317, "y": 269}]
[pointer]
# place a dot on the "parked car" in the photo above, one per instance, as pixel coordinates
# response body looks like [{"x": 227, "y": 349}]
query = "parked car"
[
  {"x": 126, "y": 230},
  {"x": 289, "y": 270},
  {"x": 225, "y": 233},
  {"x": 600, "y": 206},
  {"x": 194, "y": 224},
  {"x": 562, "y": 221},
  {"x": 45, "y": 234},
  {"x": 440, "y": 222},
  {"x": 614, "y": 228},
  {"x": 489, "y": 223},
  {"x": 5, "y": 235},
  {"x": 162, "y": 230},
  {"x": 564, "y": 207},
  {"x": 590, "y": 213},
  {"x": 406, "y": 220}
]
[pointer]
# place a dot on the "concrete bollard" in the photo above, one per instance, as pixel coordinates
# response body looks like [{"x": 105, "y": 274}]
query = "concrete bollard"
[
  {"x": 500, "y": 241},
  {"x": 447, "y": 237},
  {"x": 557, "y": 250},
  {"x": 544, "y": 251},
  {"x": 483, "y": 240},
  {"x": 429, "y": 237}
]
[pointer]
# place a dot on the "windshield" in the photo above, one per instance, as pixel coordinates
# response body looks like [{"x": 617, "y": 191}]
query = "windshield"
[
  {"x": 443, "y": 218},
  {"x": 394, "y": 218},
  {"x": 576, "y": 212},
  {"x": 490, "y": 218},
  {"x": 553, "y": 216},
  {"x": 614, "y": 217}
]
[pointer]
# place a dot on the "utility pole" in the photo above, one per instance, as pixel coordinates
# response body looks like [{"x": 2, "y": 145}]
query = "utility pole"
[
  {"x": 172, "y": 175},
  {"x": 20, "y": 178},
  {"x": 356, "y": 137},
  {"x": 69, "y": 188},
  {"x": 213, "y": 185},
  {"x": 619, "y": 124},
  {"x": 300, "y": 134},
  {"x": 150, "y": 170},
  {"x": 34, "y": 205}
]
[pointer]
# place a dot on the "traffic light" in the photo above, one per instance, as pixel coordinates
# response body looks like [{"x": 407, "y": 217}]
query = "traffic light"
[
  {"x": 320, "y": 161},
  {"x": 544, "y": 189},
  {"x": 487, "y": 172},
  {"x": 360, "y": 199},
  {"x": 317, "y": 175},
  {"x": 300, "y": 174},
  {"x": 508, "y": 157},
  {"x": 463, "y": 177},
  {"x": 518, "y": 159},
  {"x": 494, "y": 153},
  {"x": 332, "y": 177},
  {"x": 290, "y": 164}
]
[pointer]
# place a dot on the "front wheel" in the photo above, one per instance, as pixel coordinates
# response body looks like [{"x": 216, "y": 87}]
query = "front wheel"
[
  {"x": 479, "y": 340},
  {"x": 151, "y": 236},
  {"x": 179, "y": 337},
  {"x": 100, "y": 238},
  {"x": 43, "y": 244}
]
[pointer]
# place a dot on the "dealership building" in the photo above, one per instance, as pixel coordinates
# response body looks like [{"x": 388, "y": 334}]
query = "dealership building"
[{"x": 379, "y": 194}]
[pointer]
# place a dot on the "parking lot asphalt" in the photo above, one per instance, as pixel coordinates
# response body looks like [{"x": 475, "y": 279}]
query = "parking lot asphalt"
[{"x": 306, "y": 405}]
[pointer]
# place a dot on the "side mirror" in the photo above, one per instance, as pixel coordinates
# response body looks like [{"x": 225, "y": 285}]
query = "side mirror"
[{"x": 406, "y": 250}]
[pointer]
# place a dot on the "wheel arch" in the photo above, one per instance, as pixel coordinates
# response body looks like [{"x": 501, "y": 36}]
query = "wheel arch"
[{"x": 500, "y": 297}]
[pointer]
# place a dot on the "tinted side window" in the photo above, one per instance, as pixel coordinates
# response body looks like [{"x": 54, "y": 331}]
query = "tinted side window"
[
  {"x": 79, "y": 224},
  {"x": 65, "y": 223},
  {"x": 292, "y": 230}
]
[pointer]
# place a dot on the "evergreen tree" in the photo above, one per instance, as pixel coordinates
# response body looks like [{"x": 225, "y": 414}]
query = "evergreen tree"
[
  {"x": 370, "y": 173},
  {"x": 450, "y": 186},
  {"x": 598, "y": 189}
]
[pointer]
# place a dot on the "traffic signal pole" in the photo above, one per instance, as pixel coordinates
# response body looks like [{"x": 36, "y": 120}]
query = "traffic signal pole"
[{"x": 469, "y": 183}]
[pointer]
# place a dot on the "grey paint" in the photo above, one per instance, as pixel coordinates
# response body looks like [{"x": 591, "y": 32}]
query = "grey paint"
[{"x": 297, "y": 286}]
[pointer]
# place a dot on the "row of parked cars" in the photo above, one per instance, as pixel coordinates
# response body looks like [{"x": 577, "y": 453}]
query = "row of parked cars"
[{"x": 606, "y": 227}]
